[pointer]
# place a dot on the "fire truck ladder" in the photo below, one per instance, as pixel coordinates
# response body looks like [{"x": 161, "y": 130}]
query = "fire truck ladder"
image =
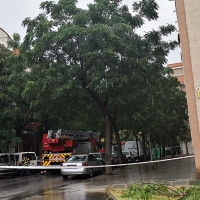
[{"x": 70, "y": 134}]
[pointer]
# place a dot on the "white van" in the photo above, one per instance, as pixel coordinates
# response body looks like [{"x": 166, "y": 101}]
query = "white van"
[
  {"x": 132, "y": 147},
  {"x": 30, "y": 155},
  {"x": 7, "y": 159}
]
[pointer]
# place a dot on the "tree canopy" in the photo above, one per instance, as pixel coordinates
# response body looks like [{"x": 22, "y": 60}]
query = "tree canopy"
[{"x": 91, "y": 70}]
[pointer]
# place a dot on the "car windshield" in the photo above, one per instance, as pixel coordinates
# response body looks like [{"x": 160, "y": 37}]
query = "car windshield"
[
  {"x": 76, "y": 158},
  {"x": 30, "y": 156},
  {"x": 96, "y": 155},
  {"x": 125, "y": 153}
]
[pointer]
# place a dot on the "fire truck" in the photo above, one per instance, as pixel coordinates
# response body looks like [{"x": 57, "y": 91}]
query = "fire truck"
[{"x": 58, "y": 145}]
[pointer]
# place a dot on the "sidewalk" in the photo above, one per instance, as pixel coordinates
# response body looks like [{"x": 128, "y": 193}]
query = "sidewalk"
[{"x": 173, "y": 172}]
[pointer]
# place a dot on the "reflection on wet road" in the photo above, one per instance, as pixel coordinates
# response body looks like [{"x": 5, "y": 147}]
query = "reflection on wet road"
[{"x": 49, "y": 187}]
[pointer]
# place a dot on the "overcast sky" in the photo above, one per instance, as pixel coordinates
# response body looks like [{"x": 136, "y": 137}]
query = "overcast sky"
[{"x": 13, "y": 12}]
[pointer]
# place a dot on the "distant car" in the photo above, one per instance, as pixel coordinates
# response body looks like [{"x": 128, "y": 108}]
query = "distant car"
[
  {"x": 115, "y": 158},
  {"x": 75, "y": 165},
  {"x": 100, "y": 156},
  {"x": 130, "y": 157}
]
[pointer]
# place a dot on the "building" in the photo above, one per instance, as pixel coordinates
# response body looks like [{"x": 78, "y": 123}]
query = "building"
[
  {"x": 179, "y": 73},
  {"x": 4, "y": 37},
  {"x": 188, "y": 18}
]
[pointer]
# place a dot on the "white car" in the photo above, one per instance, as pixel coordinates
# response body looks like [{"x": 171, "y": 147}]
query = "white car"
[
  {"x": 77, "y": 165},
  {"x": 130, "y": 157},
  {"x": 100, "y": 156}
]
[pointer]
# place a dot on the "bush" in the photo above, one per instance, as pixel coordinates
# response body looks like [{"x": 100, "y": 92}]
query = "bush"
[{"x": 158, "y": 191}]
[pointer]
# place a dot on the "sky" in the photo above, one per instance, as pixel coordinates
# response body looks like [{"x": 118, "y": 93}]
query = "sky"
[{"x": 13, "y": 12}]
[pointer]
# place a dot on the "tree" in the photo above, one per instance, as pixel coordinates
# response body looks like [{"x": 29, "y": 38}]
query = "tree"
[
  {"x": 10, "y": 111},
  {"x": 94, "y": 53}
]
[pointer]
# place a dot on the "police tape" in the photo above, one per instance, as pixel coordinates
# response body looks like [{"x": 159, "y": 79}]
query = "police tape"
[{"x": 74, "y": 166}]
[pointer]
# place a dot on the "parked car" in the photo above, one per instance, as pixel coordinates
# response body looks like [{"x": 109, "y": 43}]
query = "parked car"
[
  {"x": 115, "y": 158},
  {"x": 130, "y": 157},
  {"x": 7, "y": 159},
  {"x": 100, "y": 156},
  {"x": 74, "y": 165}
]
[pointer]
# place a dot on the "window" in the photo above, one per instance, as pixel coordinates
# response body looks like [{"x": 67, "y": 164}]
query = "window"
[
  {"x": 4, "y": 159},
  {"x": 92, "y": 158},
  {"x": 17, "y": 158},
  {"x": 30, "y": 156},
  {"x": 76, "y": 159},
  {"x": 12, "y": 158}
]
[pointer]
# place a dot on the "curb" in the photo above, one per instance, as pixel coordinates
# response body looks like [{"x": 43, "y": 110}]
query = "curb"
[
  {"x": 184, "y": 182},
  {"x": 109, "y": 195}
]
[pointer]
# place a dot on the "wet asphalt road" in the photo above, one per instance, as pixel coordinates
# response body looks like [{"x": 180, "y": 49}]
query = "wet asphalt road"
[
  {"x": 49, "y": 186},
  {"x": 53, "y": 187}
]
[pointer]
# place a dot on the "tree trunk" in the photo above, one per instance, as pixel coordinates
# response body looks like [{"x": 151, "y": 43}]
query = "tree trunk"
[
  {"x": 172, "y": 152},
  {"x": 186, "y": 147},
  {"x": 163, "y": 146},
  {"x": 153, "y": 142},
  {"x": 144, "y": 147},
  {"x": 102, "y": 106},
  {"x": 119, "y": 148},
  {"x": 108, "y": 144},
  {"x": 118, "y": 141}
]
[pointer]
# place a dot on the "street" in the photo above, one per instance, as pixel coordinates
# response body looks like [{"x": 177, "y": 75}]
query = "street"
[{"x": 52, "y": 186}]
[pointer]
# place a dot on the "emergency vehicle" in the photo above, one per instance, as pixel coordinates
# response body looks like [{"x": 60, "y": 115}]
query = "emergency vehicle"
[{"x": 58, "y": 145}]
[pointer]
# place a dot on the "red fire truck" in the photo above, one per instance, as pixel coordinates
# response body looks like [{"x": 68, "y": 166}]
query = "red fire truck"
[{"x": 60, "y": 144}]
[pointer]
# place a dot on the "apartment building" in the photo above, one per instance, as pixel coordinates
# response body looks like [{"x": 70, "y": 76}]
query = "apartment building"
[
  {"x": 178, "y": 71},
  {"x": 4, "y": 37},
  {"x": 188, "y": 18}
]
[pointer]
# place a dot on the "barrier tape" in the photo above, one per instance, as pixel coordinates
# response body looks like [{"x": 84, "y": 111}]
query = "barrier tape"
[{"x": 115, "y": 165}]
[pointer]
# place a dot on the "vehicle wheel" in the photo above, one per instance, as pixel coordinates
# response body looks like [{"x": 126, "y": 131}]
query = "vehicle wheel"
[
  {"x": 65, "y": 176},
  {"x": 91, "y": 173}
]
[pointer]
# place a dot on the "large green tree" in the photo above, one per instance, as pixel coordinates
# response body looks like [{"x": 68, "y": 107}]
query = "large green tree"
[
  {"x": 12, "y": 113},
  {"x": 78, "y": 56}
]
